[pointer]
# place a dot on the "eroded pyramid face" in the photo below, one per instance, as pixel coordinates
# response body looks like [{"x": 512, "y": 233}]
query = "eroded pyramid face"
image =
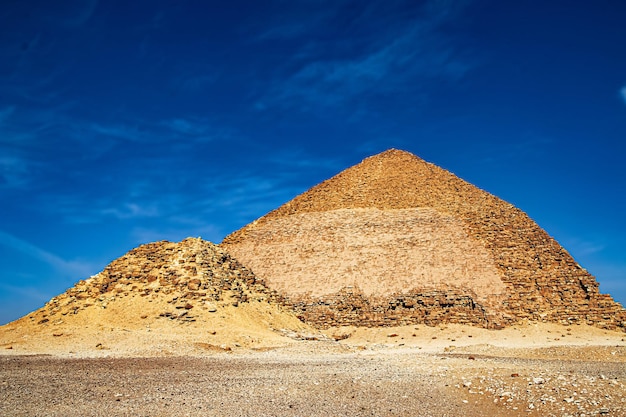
[
  {"x": 395, "y": 240},
  {"x": 380, "y": 252}
]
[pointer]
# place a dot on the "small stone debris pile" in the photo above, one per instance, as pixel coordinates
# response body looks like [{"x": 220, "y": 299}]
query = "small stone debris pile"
[{"x": 190, "y": 274}]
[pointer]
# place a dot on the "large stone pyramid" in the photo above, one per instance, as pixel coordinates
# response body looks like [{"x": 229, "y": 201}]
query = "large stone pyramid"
[{"x": 397, "y": 240}]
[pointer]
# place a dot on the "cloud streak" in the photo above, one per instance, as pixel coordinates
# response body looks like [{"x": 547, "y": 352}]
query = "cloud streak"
[
  {"x": 403, "y": 59},
  {"x": 27, "y": 292},
  {"x": 5, "y": 113},
  {"x": 30, "y": 135},
  {"x": 582, "y": 247},
  {"x": 72, "y": 268},
  {"x": 13, "y": 172},
  {"x": 131, "y": 211},
  {"x": 196, "y": 129},
  {"x": 622, "y": 93}
]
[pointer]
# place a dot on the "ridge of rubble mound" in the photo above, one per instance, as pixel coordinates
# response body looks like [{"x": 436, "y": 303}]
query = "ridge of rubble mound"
[
  {"x": 160, "y": 298},
  {"x": 193, "y": 271},
  {"x": 397, "y": 240}
]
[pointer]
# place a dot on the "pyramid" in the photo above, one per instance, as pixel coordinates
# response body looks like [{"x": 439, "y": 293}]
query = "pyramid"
[
  {"x": 396, "y": 240},
  {"x": 161, "y": 297},
  {"x": 193, "y": 271}
]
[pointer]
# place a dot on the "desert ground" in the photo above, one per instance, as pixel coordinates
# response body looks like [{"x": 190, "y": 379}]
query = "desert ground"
[{"x": 452, "y": 370}]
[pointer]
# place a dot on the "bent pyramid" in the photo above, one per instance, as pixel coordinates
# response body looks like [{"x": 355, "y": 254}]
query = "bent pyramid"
[{"x": 397, "y": 240}]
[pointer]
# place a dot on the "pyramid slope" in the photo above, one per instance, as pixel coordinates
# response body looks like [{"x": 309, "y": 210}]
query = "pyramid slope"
[
  {"x": 395, "y": 238},
  {"x": 160, "y": 298}
]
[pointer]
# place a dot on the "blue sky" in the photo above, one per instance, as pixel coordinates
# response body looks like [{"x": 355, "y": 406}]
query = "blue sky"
[{"x": 123, "y": 122}]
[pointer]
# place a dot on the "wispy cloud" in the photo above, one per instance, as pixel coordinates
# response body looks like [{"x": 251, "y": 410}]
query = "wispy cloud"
[
  {"x": 5, "y": 113},
  {"x": 30, "y": 136},
  {"x": 80, "y": 15},
  {"x": 131, "y": 211},
  {"x": 70, "y": 13},
  {"x": 288, "y": 159},
  {"x": 13, "y": 172},
  {"x": 180, "y": 129},
  {"x": 245, "y": 197},
  {"x": 119, "y": 131},
  {"x": 28, "y": 292},
  {"x": 194, "y": 82},
  {"x": 581, "y": 247},
  {"x": 147, "y": 132},
  {"x": 622, "y": 93},
  {"x": 189, "y": 206},
  {"x": 134, "y": 206},
  {"x": 402, "y": 59},
  {"x": 72, "y": 268},
  {"x": 526, "y": 146},
  {"x": 294, "y": 23},
  {"x": 194, "y": 128}
]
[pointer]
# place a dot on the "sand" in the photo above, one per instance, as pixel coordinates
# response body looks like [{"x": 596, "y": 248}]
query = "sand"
[{"x": 530, "y": 369}]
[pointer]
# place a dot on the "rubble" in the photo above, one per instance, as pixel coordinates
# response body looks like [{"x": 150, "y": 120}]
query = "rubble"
[{"x": 193, "y": 274}]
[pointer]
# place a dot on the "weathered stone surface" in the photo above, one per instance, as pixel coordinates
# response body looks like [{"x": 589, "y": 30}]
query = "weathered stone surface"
[
  {"x": 187, "y": 271},
  {"x": 397, "y": 240}
]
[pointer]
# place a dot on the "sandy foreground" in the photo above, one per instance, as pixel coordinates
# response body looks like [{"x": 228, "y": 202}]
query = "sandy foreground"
[{"x": 454, "y": 370}]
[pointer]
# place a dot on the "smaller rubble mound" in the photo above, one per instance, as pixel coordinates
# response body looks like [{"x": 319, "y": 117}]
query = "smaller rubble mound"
[
  {"x": 192, "y": 273},
  {"x": 160, "y": 299}
]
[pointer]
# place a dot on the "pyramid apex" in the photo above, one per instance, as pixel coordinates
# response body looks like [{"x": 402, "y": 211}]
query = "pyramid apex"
[
  {"x": 393, "y": 155},
  {"x": 392, "y": 152}
]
